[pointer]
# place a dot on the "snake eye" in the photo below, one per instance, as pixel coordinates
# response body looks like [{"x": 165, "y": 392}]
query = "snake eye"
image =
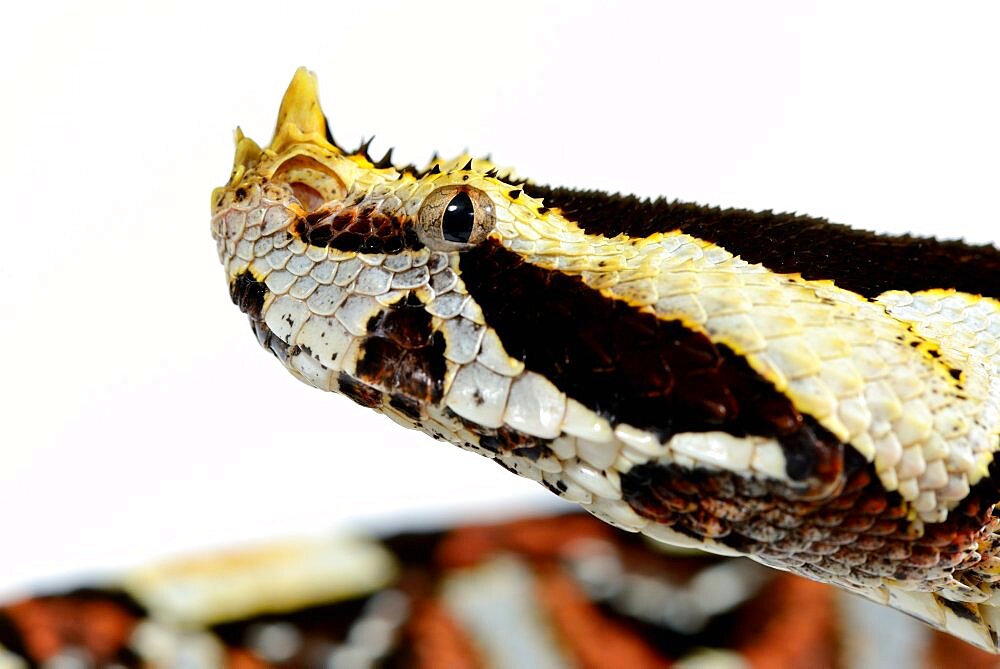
[
  {"x": 459, "y": 215},
  {"x": 455, "y": 217}
]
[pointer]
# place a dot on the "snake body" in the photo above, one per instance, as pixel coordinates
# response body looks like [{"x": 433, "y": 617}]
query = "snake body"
[{"x": 823, "y": 400}]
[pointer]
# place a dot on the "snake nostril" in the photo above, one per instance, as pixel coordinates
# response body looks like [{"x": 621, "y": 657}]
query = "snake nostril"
[
  {"x": 313, "y": 182},
  {"x": 310, "y": 198}
]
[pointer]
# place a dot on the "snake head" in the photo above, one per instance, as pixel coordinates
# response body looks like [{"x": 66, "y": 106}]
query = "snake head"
[
  {"x": 348, "y": 269},
  {"x": 454, "y": 301},
  {"x": 656, "y": 362}
]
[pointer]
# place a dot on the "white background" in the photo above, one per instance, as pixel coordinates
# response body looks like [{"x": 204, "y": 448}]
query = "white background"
[{"x": 140, "y": 418}]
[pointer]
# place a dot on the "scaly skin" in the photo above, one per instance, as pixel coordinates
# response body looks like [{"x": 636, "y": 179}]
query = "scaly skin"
[{"x": 706, "y": 395}]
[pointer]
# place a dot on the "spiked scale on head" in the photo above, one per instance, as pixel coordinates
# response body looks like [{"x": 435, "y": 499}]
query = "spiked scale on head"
[{"x": 819, "y": 404}]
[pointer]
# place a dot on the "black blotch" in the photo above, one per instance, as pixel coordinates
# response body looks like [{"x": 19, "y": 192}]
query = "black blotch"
[
  {"x": 357, "y": 229},
  {"x": 403, "y": 353},
  {"x": 359, "y": 392},
  {"x": 248, "y": 294},
  {"x": 406, "y": 406},
  {"x": 492, "y": 443},
  {"x": 507, "y": 467},
  {"x": 551, "y": 488},
  {"x": 858, "y": 260},
  {"x": 458, "y": 219},
  {"x": 514, "y": 194},
  {"x": 632, "y": 367},
  {"x": 960, "y": 609},
  {"x": 955, "y": 373},
  {"x": 508, "y": 440},
  {"x": 240, "y": 194},
  {"x": 532, "y": 453}
]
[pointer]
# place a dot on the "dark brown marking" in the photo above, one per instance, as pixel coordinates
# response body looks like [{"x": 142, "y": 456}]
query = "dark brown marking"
[
  {"x": 632, "y": 367},
  {"x": 858, "y": 260},
  {"x": 404, "y": 353},
  {"x": 864, "y": 529},
  {"x": 359, "y": 392},
  {"x": 248, "y": 294},
  {"x": 514, "y": 442},
  {"x": 358, "y": 229},
  {"x": 961, "y": 609},
  {"x": 552, "y": 488},
  {"x": 407, "y": 406}
]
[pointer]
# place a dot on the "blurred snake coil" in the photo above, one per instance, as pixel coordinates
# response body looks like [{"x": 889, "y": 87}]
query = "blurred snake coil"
[{"x": 821, "y": 399}]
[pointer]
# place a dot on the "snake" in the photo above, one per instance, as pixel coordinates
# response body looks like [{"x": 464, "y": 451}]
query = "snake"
[{"x": 821, "y": 399}]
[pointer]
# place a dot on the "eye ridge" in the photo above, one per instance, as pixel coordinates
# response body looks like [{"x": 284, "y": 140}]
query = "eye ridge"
[{"x": 458, "y": 219}]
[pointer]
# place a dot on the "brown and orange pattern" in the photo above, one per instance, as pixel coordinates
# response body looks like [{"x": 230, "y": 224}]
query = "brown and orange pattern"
[{"x": 415, "y": 620}]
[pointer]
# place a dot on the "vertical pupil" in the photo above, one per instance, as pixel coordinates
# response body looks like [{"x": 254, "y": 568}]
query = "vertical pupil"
[{"x": 456, "y": 224}]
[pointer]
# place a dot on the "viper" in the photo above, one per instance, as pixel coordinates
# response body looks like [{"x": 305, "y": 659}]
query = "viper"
[{"x": 821, "y": 399}]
